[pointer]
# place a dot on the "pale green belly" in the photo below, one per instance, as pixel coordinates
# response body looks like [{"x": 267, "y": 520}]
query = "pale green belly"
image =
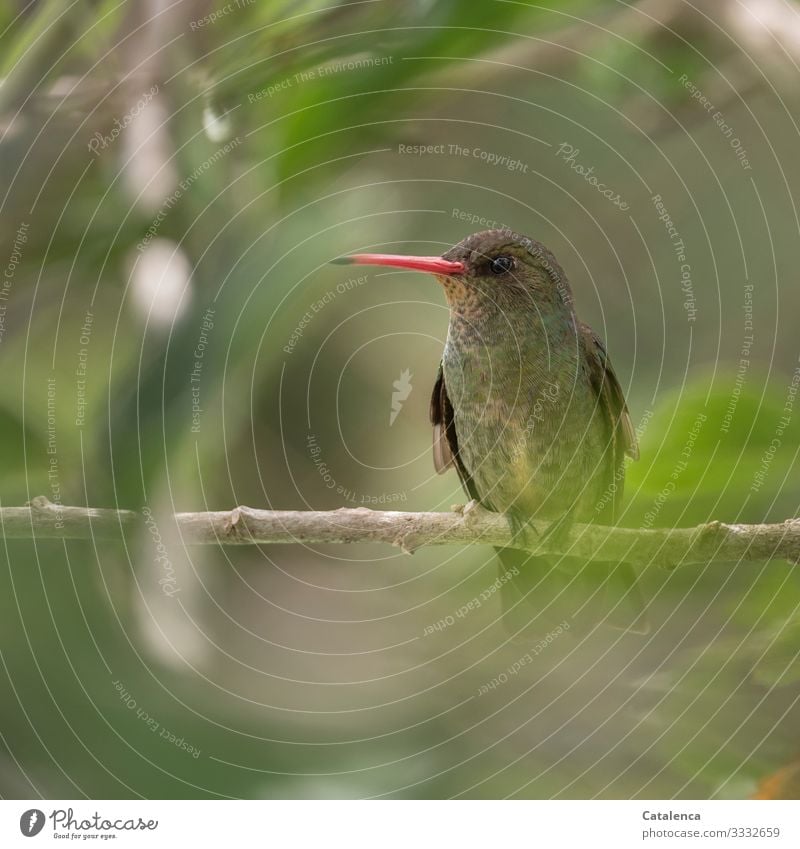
[{"x": 539, "y": 454}]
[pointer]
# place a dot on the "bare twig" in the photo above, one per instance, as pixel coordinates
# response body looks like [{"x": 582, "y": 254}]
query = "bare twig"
[
  {"x": 41, "y": 519},
  {"x": 667, "y": 548}
]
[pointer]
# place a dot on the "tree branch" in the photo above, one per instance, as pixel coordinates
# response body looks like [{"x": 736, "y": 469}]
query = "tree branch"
[{"x": 667, "y": 548}]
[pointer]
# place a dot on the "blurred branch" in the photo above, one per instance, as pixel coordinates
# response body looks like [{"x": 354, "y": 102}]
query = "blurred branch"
[
  {"x": 667, "y": 548},
  {"x": 41, "y": 519}
]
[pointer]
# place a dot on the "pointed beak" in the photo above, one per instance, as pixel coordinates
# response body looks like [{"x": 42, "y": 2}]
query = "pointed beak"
[{"x": 431, "y": 264}]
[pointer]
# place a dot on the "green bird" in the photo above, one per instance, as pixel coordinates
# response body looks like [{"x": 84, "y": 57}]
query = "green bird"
[{"x": 528, "y": 411}]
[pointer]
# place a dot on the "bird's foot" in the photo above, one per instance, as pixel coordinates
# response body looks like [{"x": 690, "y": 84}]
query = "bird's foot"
[
  {"x": 472, "y": 510},
  {"x": 524, "y": 531},
  {"x": 521, "y": 531},
  {"x": 557, "y": 532},
  {"x": 471, "y": 507}
]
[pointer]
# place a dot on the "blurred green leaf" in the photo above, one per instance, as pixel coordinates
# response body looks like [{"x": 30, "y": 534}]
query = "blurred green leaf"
[{"x": 713, "y": 453}]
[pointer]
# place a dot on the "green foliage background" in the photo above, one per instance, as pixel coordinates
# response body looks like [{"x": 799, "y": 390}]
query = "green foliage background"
[{"x": 306, "y": 671}]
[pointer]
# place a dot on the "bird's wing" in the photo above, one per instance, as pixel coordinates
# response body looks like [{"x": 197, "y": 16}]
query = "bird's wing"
[
  {"x": 611, "y": 401},
  {"x": 445, "y": 440},
  {"x": 624, "y": 606}
]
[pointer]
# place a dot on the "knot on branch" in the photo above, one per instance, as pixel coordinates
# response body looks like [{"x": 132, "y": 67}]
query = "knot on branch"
[
  {"x": 40, "y": 502},
  {"x": 401, "y": 542},
  {"x": 235, "y": 526},
  {"x": 711, "y": 532},
  {"x": 792, "y": 540},
  {"x": 407, "y": 533}
]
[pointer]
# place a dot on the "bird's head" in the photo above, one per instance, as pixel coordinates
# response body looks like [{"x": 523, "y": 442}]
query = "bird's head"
[{"x": 494, "y": 269}]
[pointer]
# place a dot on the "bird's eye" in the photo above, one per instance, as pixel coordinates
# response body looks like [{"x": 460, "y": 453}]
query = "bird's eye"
[{"x": 501, "y": 264}]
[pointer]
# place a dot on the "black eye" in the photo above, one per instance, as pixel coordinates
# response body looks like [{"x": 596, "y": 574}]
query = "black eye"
[{"x": 501, "y": 264}]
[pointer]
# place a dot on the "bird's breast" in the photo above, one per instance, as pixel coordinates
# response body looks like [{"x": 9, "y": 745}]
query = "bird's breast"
[{"x": 524, "y": 423}]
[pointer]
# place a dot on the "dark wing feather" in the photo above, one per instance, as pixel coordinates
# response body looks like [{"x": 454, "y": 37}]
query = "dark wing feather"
[
  {"x": 612, "y": 405},
  {"x": 625, "y": 607},
  {"x": 445, "y": 440}
]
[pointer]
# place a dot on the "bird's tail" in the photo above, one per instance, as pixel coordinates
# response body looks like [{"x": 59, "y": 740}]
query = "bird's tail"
[{"x": 546, "y": 595}]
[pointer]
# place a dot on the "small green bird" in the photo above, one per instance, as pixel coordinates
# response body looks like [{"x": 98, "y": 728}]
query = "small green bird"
[{"x": 527, "y": 409}]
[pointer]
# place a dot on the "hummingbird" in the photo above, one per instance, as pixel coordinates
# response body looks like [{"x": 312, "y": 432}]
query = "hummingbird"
[{"x": 527, "y": 410}]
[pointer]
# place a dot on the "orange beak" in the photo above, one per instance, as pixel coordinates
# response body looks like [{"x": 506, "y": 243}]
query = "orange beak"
[{"x": 431, "y": 264}]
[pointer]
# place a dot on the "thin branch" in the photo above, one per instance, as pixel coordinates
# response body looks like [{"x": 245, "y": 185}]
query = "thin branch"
[{"x": 666, "y": 548}]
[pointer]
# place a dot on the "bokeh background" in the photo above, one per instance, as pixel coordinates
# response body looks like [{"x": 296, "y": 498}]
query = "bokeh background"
[{"x": 174, "y": 179}]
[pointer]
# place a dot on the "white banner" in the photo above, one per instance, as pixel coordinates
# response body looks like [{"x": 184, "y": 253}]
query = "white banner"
[{"x": 401, "y": 824}]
